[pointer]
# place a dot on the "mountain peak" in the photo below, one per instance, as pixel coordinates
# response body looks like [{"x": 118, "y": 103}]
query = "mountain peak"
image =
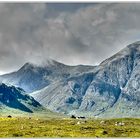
[
  {"x": 113, "y": 85},
  {"x": 129, "y": 50},
  {"x": 46, "y": 63},
  {"x": 135, "y": 45}
]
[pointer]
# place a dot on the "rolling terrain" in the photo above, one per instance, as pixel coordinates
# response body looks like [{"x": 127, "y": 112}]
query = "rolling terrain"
[{"x": 68, "y": 128}]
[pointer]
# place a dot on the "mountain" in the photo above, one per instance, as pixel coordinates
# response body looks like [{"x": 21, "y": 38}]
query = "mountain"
[
  {"x": 32, "y": 77},
  {"x": 110, "y": 89},
  {"x": 16, "y": 99}
]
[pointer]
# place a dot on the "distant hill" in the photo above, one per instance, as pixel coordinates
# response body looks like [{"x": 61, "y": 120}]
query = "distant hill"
[{"x": 15, "y": 98}]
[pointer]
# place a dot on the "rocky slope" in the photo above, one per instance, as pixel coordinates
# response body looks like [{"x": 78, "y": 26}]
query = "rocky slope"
[
  {"x": 33, "y": 77},
  {"x": 111, "y": 89},
  {"x": 15, "y": 98}
]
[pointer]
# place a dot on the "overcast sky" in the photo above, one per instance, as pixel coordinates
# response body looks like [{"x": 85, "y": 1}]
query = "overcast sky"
[{"x": 69, "y": 33}]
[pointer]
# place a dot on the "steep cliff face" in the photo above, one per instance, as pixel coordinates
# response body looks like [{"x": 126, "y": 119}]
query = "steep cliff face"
[
  {"x": 114, "y": 80},
  {"x": 116, "y": 84}
]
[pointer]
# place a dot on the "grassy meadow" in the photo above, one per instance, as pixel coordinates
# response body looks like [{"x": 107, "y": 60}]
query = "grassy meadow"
[{"x": 25, "y": 127}]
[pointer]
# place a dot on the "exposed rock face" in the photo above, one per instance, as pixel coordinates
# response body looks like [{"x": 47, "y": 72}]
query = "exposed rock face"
[{"x": 111, "y": 89}]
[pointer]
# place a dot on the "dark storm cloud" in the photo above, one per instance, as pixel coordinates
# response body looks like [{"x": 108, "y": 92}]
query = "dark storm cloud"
[
  {"x": 70, "y": 7},
  {"x": 70, "y": 33}
]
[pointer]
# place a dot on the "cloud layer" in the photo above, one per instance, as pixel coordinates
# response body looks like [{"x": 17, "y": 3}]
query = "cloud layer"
[{"x": 80, "y": 34}]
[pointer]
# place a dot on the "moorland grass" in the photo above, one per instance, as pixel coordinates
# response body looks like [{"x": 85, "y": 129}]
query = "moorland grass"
[{"x": 68, "y": 128}]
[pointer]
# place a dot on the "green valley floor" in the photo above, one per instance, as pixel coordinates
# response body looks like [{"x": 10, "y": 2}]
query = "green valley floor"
[{"x": 66, "y": 127}]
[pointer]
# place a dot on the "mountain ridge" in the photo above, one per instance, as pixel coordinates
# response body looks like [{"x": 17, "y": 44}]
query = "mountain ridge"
[
  {"x": 87, "y": 90},
  {"x": 109, "y": 81},
  {"x": 44, "y": 75}
]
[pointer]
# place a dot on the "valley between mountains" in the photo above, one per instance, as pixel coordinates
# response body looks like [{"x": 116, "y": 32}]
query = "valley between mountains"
[{"x": 109, "y": 90}]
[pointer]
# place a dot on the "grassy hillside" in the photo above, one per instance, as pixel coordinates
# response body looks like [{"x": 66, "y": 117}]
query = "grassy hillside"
[{"x": 65, "y": 127}]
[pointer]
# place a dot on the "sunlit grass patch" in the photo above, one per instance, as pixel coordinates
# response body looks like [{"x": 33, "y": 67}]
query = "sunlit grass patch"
[
  {"x": 56, "y": 128},
  {"x": 7, "y": 119}
]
